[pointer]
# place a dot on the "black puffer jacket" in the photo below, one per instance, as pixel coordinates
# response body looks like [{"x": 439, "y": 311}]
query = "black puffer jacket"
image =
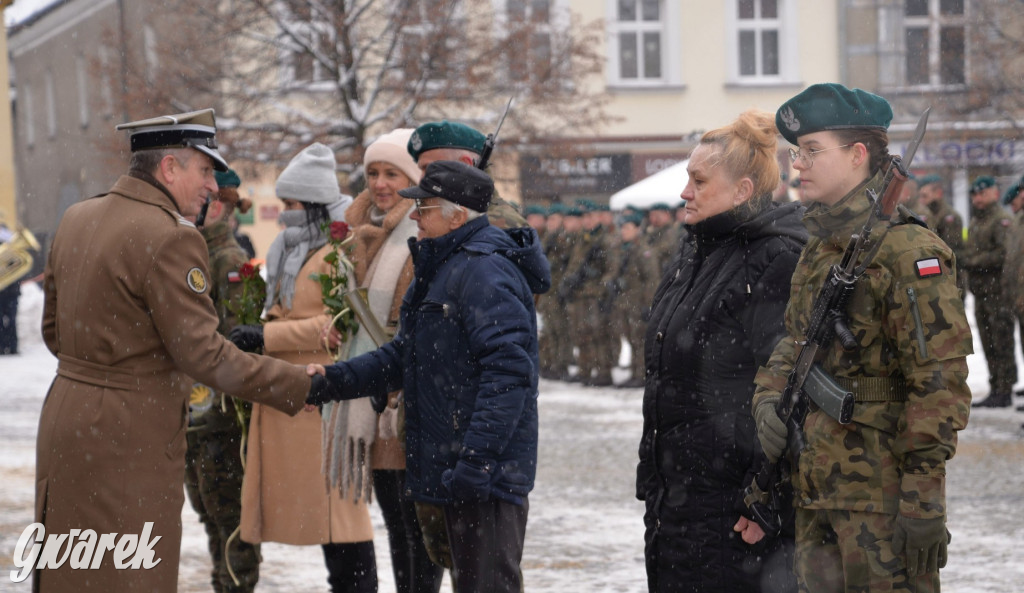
[{"x": 716, "y": 318}]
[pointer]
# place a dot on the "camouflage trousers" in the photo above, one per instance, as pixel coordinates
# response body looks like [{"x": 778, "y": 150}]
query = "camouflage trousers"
[
  {"x": 851, "y": 552},
  {"x": 995, "y": 328},
  {"x": 598, "y": 349},
  {"x": 628, "y": 323},
  {"x": 555, "y": 339},
  {"x": 213, "y": 481}
]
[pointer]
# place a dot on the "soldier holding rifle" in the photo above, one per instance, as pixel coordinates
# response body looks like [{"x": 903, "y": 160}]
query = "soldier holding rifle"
[{"x": 869, "y": 477}]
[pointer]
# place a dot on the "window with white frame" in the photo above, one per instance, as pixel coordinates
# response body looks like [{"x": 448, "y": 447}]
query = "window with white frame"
[
  {"x": 423, "y": 44},
  {"x": 51, "y": 105},
  {"x": 306, "y": 41},
  {"x": 537, "y": 20},
  {"x": 643, "y": 42},
  {"x": 934, "y": 40},
  {"x": 760, "y": 49},
  {"x": 83, "y": 90}
]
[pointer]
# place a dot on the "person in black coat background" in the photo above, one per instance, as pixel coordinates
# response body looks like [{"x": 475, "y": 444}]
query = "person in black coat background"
[{"x": 715, "y": 319}]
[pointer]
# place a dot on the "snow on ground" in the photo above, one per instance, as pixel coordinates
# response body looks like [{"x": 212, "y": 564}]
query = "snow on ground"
[{"x": 585, "y": 529}]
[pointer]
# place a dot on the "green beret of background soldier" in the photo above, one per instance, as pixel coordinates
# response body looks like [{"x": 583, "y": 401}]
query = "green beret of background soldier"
[
  {"x": 984, "y": 256},
  {"x": 453, "y": 141},
  {"x": 217, "y": 423},
  {"x": 869, "y": 495}
]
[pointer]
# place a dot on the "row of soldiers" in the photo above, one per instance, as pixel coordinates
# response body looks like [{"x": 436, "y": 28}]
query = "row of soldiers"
[
  {"x": 990, "y": 264},
  {"x": 604, "y": 271}
]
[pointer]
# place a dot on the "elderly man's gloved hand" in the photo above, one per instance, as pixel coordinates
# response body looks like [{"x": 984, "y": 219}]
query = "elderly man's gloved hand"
[
  {"x": 470, "y": 481},
  {"x": 771, "y": 430},
  {"x": 923, "y": 541},
  {"x": 321, "y": 391},
  {"x": 248, "y": 338}
]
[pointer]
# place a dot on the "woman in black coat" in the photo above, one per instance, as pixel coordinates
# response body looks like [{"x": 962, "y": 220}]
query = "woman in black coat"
[{"x": 715, "y": 320}]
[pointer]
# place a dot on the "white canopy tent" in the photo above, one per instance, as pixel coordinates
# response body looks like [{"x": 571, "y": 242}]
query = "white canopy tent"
[{"x": 664, "y": 186}]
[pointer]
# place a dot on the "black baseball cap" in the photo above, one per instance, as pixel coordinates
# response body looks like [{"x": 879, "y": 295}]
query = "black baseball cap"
[{"x": 456, "y": 182}]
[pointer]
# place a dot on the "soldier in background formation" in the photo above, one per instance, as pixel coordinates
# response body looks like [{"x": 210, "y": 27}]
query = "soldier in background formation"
[
  {"x": 213, "y": 460},
  {"x": 1013, "y": 268},
  {"x": 942, "y": 219},
  {"x": 984, "y": 254}
]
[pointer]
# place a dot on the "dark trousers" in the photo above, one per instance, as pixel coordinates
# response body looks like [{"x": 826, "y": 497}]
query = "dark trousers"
[
  {"x": 487, "y": 545},
  {"x": 9, "y": 318},
  {"x": 414, "y": 572},
  {"x": 351, "y": 568}
]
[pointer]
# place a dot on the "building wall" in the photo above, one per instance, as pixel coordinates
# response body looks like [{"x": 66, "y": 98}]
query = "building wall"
[{"x": 8, "y": 212}]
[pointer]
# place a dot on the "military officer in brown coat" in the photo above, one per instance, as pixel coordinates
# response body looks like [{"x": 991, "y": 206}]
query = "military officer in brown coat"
[{"x": 129, "y": 316}]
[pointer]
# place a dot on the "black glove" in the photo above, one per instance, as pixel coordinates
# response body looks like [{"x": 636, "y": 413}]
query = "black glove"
[
  {"x": 923, "y": 541},
  {"x": 320, "y": 391},
  {"x": 470, "y": 481},
  {"x": 248, "y": 338}
]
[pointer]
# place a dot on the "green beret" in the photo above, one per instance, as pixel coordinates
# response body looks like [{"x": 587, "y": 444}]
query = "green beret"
[
  {"x": 637, "y": 219},
  {"x": 227, "y": 178},
  {"x": 602, "y": 208},
  {"x": 929, "y": 179},
  {"x": 983, "y": 182},
  {"x": 535, "y": 209},
  {"x": 444, "y": 134},
  {"x": 556, "y": 208},
  {"x": 573, "y": 211},
  {"x": 1011, "y": 192},
  {"x": 660, "y": 206},
  {"x": 831, "y": 106}
]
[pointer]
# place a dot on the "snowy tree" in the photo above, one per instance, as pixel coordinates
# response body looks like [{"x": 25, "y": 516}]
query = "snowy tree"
[{"x": 284, "y": 73}]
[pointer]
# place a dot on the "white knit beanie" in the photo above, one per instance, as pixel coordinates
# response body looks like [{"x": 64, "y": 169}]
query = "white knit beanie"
[
  {"x": 310, "y": 177},
  {"x": 391, "y": 148}
]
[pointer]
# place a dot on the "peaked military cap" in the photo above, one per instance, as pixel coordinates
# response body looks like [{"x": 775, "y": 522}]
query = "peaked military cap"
[
  {"x": 982, "y": 183},
  {"x": 1011, "y": 192},
  {"x": 929, "y": 179},
  {"x": 456, "y": 182},
  {"x": 831, "y": 106},
  {"x": 444, "y": 134},
  {"x": 195, "y": 129}
]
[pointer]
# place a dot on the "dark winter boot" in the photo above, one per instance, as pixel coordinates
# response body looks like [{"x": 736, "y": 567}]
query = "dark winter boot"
[
  {"x": 994, "y": 400},
  {"x": 351, "y": 568}
]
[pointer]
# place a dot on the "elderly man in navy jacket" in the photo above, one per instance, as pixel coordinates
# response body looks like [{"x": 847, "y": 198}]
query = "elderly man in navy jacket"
[{"x": 466, "y": 357}]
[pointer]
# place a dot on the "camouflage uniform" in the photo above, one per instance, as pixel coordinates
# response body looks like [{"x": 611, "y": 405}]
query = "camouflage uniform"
[
  {"x": 556, "y": 338},
  {"x": 1013, "y": 269},
  {"x": 633, "y": 276},
  {"x": 504, "y": 214},
  {"x": 983, "y": 259},
  {"x": 583, "y": 291},
  {"x": 949, "y": 226},
  {"x": 910, "y": 380},
  {"x": 663, "y": 245},
  {"x": 213, "y": 463}
]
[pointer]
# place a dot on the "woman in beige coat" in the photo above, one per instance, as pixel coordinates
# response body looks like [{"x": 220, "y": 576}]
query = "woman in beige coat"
[
  {"x": 380, "y": 221},
  {"x": 285, "y": 496}
]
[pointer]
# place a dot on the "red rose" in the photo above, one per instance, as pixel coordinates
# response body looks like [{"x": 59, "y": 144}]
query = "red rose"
[
  {"x": 339, "y": 230},
  {"x": 247, "y": 271}
]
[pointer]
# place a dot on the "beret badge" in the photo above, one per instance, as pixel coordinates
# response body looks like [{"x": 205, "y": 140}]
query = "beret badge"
[{"x": 789, "y": 118}]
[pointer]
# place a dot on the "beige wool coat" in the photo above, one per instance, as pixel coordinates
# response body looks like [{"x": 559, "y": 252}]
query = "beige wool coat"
[
  {"x": 128, "y": 314},
  {"x": 284, "y": 493},
  {"x": 369, "y": 238}
]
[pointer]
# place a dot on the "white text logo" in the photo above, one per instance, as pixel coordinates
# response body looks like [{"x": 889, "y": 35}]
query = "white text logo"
[{"x": 81, "y": 549}]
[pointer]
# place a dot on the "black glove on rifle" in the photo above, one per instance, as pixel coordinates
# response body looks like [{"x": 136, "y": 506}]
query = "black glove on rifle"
[{"x": 248, "y": 338}]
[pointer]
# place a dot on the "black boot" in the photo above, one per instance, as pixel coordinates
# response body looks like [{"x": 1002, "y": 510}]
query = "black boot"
[
  {"x": 351, "y": 568},
  {"x": 994, "y": 400}
]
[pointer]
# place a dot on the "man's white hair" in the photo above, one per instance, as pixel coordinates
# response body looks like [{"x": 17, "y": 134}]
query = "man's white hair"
[{"x": 450, "y": 208}]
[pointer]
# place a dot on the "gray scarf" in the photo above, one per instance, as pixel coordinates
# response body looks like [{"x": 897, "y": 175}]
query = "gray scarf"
[{"x": 287, "y": 254}]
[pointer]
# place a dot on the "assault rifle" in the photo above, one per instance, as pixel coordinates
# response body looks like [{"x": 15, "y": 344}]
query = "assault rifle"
[
  {"x": 485, "y": 154},
  {"x": 808, "y": 380}
]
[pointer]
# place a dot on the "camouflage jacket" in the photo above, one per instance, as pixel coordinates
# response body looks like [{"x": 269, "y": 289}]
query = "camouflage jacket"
[
  {"x": 663, "y": 244},
  {"x": 557, "y": 248},
  {"x": 986, "y": 240},
  {"x": 588, "y": 264},
  {"x": 947, "y": 224},
  {"x": 891, "y": 457},
  {"x": 633, "y": 276},
  {"x": 1013, "y": 268}
]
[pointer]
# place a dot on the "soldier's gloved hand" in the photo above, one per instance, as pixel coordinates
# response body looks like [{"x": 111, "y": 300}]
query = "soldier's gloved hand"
[
  {"x": 248, "y": 338},
  {"x": 923, "y": 541},
  {"x": 771, "y": 430}
]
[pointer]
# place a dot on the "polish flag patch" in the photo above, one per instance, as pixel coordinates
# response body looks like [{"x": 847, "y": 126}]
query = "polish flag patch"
[
  {"x": 928, "y": 267},
  {"x": 234, "y": 277}
]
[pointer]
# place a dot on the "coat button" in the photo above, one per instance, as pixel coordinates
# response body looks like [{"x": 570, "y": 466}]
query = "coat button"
[
  {"x": 408, "y": 492},
  {"x": 659, "y": 337}
]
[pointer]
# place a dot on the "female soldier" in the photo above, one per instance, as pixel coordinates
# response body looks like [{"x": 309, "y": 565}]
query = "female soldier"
[
  {"x": 715, "y": 319},
  {"x": 870, "y": 494},
  {"x": 283, "y": 494}
]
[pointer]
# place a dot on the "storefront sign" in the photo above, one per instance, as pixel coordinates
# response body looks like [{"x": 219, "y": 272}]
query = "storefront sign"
[
  {"x": 966, "y": 153},
  {"x": 574, "y": 175},
  {"x": 645, "y": 165}
]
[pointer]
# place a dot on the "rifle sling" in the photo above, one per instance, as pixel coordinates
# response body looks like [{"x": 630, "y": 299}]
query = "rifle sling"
[{"x": 875, "y": 389}]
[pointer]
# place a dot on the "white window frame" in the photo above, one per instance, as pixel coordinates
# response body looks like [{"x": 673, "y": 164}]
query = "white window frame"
[
  {"x": 559, "y": 19},
  {"x": 933, "y": 22},
  {"x": 424, "y": 29},
  {"x": 51, "y": 104},
  {"x": 320, "y": 80},
  {"x": 785, "y": 23},
  {"x": 669, "y": 26},
  {"x": 83, "y": 90},
  {"x": 106, "y": 94}
]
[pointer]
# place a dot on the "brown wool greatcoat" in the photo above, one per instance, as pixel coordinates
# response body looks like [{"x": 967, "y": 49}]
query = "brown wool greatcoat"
[
  {"x": 369, "y": 238},
  {"x": 284, "y": 492},
  {"x": 129, "y": 316}
]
